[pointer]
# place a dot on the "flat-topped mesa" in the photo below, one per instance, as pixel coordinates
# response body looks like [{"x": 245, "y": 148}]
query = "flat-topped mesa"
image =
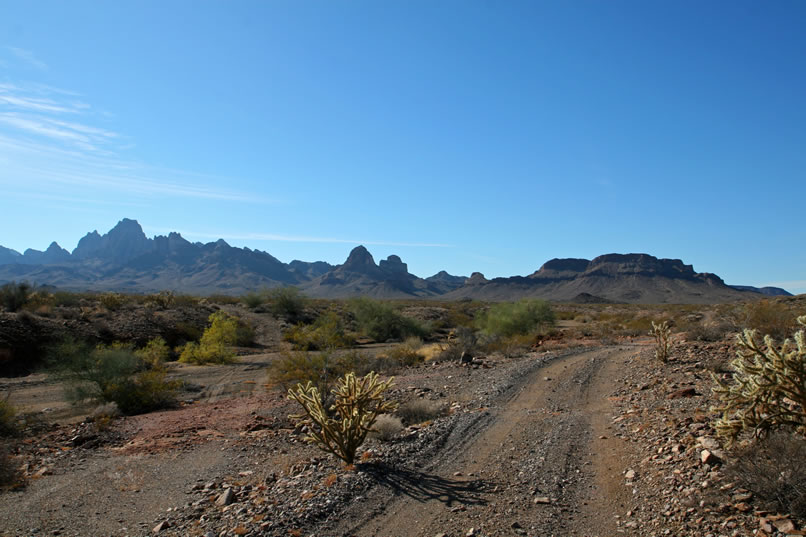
[
  {"x": 561, "y": 269},
  {"x": 610, "y": 265}
]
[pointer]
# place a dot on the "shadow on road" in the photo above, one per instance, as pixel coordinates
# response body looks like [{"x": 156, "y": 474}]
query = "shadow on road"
[{"x": 424, "y": 487}]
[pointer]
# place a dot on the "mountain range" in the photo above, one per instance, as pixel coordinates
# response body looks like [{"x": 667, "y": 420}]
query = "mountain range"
[{"x": 125, "y": 260}]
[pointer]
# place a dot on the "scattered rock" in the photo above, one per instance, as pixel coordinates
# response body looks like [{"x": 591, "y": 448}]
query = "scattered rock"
[{"x": 226, "y": 497}]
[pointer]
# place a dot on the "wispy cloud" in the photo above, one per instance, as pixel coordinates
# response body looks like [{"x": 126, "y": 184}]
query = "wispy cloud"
[
  {"x": 29, "y": 58},
  {"x": 297, "y": 238},
  {"x": 51, "y": 135}
]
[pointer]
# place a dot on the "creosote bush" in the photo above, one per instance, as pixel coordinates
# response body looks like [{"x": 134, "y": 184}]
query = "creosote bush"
[
  {"x": 419, "y": 411},
  {"x": 768, "y": 388},
  {"x": 14, "y": 296},
  {"x": 663, "y": 340},
  {"x": 288, "y": 303},
  {"x": 382, "y": 322},
  {"x": 327, "y": 332},
  {"x": 516, "y": 318},
  {"x": 343, "y": 429},
  {"x": 386, "y": 427},
  {"x": 114, "y": 374}
]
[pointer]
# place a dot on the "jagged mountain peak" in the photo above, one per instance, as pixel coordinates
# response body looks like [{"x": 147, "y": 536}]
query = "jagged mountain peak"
[{"x": 359, "y": 259}]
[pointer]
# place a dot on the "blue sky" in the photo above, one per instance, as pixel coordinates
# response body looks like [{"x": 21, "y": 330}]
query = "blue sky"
[{"x": 461, "y": 135}]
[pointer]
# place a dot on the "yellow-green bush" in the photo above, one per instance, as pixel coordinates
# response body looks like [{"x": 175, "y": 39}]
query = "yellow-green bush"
[
  {"x": 327, "y": 332},
  {"x": 155, "y": 353},
  {"x": 342, "y": 428},
  {"x": 406, "y": 353},
  {"x": 216, "y": 341}
]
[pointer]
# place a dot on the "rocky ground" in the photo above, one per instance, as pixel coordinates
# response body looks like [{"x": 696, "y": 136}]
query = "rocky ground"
[{"x": 589, "y": 441}]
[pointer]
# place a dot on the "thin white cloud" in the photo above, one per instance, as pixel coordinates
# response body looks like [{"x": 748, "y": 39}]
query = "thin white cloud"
[
  {"x": 297, "y": 238},
  {"x": 29, "y": 58}
]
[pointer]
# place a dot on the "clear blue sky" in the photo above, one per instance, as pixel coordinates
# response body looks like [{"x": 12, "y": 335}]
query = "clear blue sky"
[{"x": 461, "y": 135}]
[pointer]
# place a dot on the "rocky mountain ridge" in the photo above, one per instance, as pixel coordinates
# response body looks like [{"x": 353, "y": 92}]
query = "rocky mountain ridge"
[{"x": 124, "y": 259}]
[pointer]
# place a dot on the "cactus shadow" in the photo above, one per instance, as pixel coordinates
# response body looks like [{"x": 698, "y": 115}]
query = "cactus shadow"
[{"x": 423, "y": 487}]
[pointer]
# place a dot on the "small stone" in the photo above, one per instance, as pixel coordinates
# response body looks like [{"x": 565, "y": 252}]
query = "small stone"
[
  {"x": 161, "y": 526},
  {"x": 709, "y": 457},
  {"x": 541, "y": 500},
  {"x": 784, "y": 525},
  {"x": 629, "y": 474},
  {"x": 471, "y": 532},
  {"x": 226, "y": 497}
]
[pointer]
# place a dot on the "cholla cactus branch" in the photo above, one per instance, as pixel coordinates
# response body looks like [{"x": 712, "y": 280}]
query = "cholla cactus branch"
[
  {"x": 663, "y": 340},
  {"x": 358, "y": 403},
  {"x": 769, "y": 387}
]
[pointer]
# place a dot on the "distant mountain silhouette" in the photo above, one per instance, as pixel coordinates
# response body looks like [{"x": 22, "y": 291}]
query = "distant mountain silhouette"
[
  {"x": 125, "y": 260},
  {"x": 767, "y": 291}
]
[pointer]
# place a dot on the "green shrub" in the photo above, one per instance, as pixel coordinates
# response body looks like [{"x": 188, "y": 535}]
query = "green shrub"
[
  {"x": 162, "y": 300},
  {"x": 327, "y": 332},
  {"x": 342, "y": 430},
  {"x": 288, "y": 303},
  {"x": 155, "y": 353},
  {"x": 14, "y": 296},
  {"x": 382, "y": 322},
  {"x": 321, "y": 369},
  {"x": 518, "y": 318},
  {"x": 768, "y": 388},
  {"x": 216, "y": 341},
  {"x": 114, "y": 374},
  {"x": 253, "y": 300}
]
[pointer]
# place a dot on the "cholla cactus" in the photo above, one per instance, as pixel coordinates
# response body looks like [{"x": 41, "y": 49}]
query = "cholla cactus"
[
  {"x": 769, "y": 387},
  {"x": 358, "y": 403},
  {"x": 663, "y": 340}
]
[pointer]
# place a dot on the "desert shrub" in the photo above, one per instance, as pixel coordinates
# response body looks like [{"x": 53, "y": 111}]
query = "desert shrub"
[
  {"x": 342, "y": 429},
  {"x": 114, "y": 374},
  {"x": 65, "y": 299},
  {"x": 406, "y": 353},
  {"x": 768, "y": 389},
  {"x": 386, "y": 427},
  {"x": 112, "y": 301},
  {"x": 8, "y": 418},
  {"x": 10, "y": 475},
  {"x": 769, "y": 317},
  {"x": 663, "y": 340},
  {"x": 216, "y": 341},
  {"x": 288, "y": 303},
  {"x": 774, "y": 470},
  {"x": 254, "y": 299},
  {"x": 419, "y": 411},
  {"x": 155, "y": 353},
  {"x": 516, "y": 318},
  {"x": 382, "y": 322},
  {"x": 321, "y": 369},
  {"x": 509, "y": 346},
  {"x": 708, "y": 331},
  {"x": 162, "y": 300},
  {"x": 327, "y": 332},
  {"x": 14, "y": 296}
]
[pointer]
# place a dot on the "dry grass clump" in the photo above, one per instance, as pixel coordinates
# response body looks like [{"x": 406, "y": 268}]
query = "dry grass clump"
[
  {"x": 386, "y": 427},
  {"x": 774, "y": 470},
  {"x": 419, "y": 411}
]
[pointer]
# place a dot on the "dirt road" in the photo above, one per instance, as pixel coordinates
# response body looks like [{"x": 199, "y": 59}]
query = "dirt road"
[{"x": 542, "y": 461}]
